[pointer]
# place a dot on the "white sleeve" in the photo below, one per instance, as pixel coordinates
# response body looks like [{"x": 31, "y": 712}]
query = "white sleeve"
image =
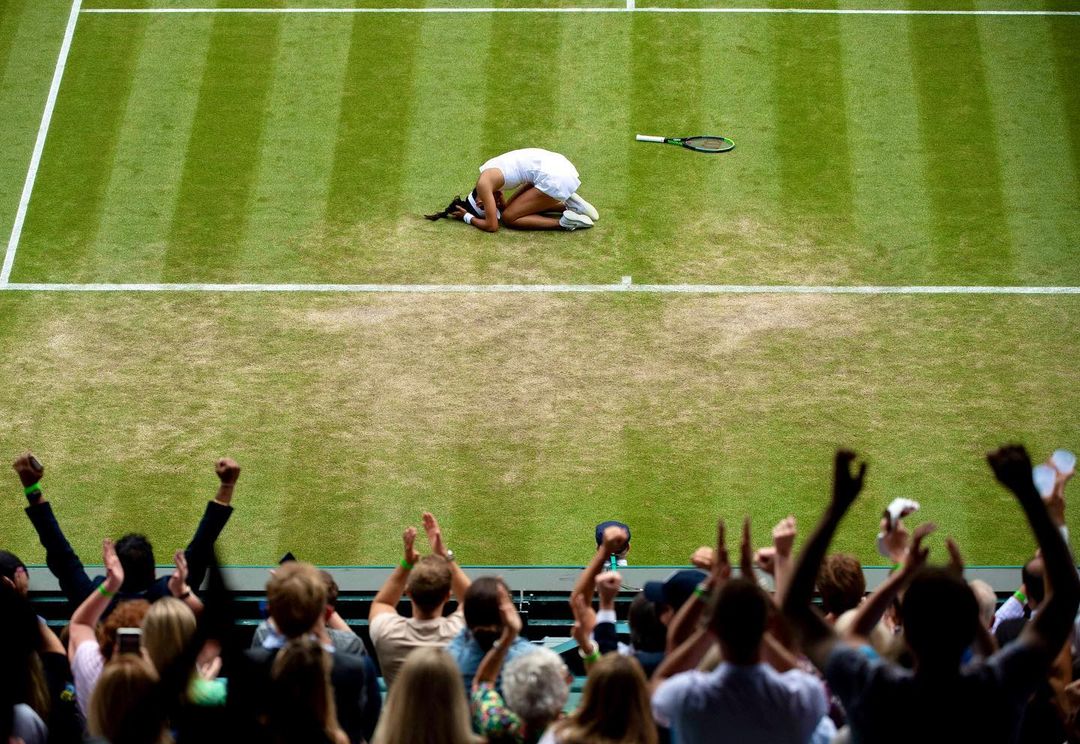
[{"x": 1011, "y": 610}]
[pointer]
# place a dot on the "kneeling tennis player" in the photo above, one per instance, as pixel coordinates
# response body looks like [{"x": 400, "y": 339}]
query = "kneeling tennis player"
[{"x": 546, "y": 196}]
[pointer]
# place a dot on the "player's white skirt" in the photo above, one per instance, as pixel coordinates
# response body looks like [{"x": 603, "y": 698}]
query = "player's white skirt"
[{"x": 549, "y": 171}]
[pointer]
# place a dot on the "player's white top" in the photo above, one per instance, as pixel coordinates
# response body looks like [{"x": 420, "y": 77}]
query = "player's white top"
[{"x": 549, "y": 171}]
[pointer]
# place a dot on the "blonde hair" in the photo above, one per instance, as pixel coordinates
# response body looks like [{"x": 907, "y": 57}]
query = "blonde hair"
[
  {"x": 614, "y": 707},
  {"x": 427, "y": 703},
  {"x": 125, "y": 707},
  {"x": 302, "y": 698},
  {"x": 167, "y": 628}
]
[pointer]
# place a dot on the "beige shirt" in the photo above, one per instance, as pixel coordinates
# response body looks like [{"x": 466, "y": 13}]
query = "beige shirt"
[{"x": 395, "y": 636}]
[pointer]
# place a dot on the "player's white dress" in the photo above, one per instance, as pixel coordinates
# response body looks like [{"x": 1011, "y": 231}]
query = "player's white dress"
[{"x": 549, "y": 171}]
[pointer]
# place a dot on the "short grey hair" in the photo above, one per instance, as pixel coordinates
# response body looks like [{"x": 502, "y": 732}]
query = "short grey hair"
[
  {"x": 987, "y": 599},
  {"x": 535, "y": 686}
]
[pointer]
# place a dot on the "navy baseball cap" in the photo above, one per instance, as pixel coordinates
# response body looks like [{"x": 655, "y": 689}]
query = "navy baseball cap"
[
  {"x": 610, "y": 523},
  {"x": 675, "y": 589}
]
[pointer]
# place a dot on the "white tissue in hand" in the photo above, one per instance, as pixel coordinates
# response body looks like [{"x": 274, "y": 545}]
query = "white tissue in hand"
[
  {"x": 1064, "y": 461},
  {"x": 900, "y": 508},
  {"x": 1044, "y": 477}
]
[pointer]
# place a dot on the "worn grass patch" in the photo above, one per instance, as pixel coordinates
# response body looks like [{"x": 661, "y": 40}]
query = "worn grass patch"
[{"x": 523, "y": 420}]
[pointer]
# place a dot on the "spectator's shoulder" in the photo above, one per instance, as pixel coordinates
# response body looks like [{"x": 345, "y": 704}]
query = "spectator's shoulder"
[{"x": 381, "y": 624}]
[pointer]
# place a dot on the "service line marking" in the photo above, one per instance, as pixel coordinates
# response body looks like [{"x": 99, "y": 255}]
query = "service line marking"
[
  {"x": 39, "y": 145},
  {"x": 622, "y": 286},
  {"x": 630, "y": 7}
]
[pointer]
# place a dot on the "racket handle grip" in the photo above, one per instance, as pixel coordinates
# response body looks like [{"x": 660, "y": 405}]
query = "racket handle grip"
[{"x": 648, "y": 138}]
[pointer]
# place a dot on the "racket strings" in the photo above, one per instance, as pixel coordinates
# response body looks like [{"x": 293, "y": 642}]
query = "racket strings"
[{"x": 708, "y": 143}]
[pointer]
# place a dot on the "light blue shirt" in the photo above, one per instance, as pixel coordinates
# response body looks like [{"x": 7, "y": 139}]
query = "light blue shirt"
[
  {"x": 467, "y": 653},
  {"x": 740, "y": 704}
]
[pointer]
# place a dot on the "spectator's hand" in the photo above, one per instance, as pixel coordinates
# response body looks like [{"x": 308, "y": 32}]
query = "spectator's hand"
[
  {"x": 29, "y": 469},
  {"x": 209, "y": 670},
  {"x": 228, "y": 471},
  {"x": 721, "y": 566},
  {"x": 783, "y": 536},
  {"x": 178, "y": 585},
  {"x": 1012, "y": 467},
  {"x": 409, "y": 538},
  {"x": 845, "y": 485},
  {"x": 114, "y": 570},
  {"x": 895, "y": 541},
  {"x": 765, "y": 559},
  {"x": 510, "y": 618},
  {"x": 608, "y": 585},
  {"x": 917, "y": 555},
  {"x": 434, "y": 535},
  {"x": 746, "y": 552},
  {"x": 956, "y": 561},
  {"x": 584, "y": 621},
  {"x": 615, "y": 540},
  {"x": 703, "y": 558}
]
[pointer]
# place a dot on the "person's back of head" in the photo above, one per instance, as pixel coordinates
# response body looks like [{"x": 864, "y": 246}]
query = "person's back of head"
[
  {"x": 536, "y": 687},
  {"x": 14, "y": 570},
  {"x": 739, "y": 620},
  {"x": 137, "y": 557},
  {"x": 614, "y": 706},
  {"x": 1034, "y": 575},
  {"x": 940, "y": 618},
  {"x": 647, "y": 632},
  {"x": 332, "y": 590},
  {"x": 168, "y": 631},
  {"x": 429, "y": 584},
  {"x": 987, "y": 600},
  {"x": 841, "y": 584},
  {"x": 126, "y": 707},
  {"x": 127, "y": 614},
  {"x": 482, "y": 614},
  {"x": 427, "y": 703},
  {"x": 296, "y": 598},
  {"x": 301, "y": 705}
]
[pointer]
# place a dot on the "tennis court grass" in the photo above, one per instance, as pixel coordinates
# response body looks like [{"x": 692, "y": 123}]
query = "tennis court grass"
[{"x": 303, "y": 148}]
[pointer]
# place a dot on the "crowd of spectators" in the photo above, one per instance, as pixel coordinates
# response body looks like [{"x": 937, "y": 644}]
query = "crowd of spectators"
[{"x": 780, "y": 648}]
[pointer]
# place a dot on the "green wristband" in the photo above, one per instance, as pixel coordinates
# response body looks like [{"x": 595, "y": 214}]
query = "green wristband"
[
  {"x": 32, "y": 490},
  {"x": 104, "y": 592},
  {"x": 701, "y": 592},
  {"x": 593, "y": 657},
  {"x": 1020, "y": 596},
  {"x": 406, "y": 565}
]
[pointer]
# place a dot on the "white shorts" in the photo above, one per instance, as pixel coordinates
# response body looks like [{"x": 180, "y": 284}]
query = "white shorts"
[{"x": 558, "y": 178}]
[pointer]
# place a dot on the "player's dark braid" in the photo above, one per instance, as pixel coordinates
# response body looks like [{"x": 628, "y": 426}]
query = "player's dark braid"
[{"x": 457, "y": 202}]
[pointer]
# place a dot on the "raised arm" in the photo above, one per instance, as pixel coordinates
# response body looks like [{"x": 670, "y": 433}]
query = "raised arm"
[
  {"x": 390, "y": 594},
  {"x": 459, "y": 582},
  {"x": 870, "y": 612},
  {"x": 93, "y": 607},
  {"x": 814, "y": 634},
  {"x": 491, "y": 664},
  {"x": 614, "y": 540},
  {"x": 179, "y": 587},
  {"x": 688, "y": 618},
  {"x": 783, "y": 536},
  {"x": 1050, "y": 628}
]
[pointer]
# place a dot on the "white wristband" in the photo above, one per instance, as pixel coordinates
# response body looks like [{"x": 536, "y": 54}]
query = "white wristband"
[{"x": 468, "y": 218}]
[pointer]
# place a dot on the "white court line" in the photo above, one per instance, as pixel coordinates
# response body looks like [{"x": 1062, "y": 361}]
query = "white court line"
[
  {"x": 630, "y": 7},
  {"x": 624, "y": 286},
  {"x": 39, "y": 145}
]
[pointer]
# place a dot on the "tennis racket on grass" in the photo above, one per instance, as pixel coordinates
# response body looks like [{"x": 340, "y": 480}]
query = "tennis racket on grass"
[{"x": 702, "y": 143}]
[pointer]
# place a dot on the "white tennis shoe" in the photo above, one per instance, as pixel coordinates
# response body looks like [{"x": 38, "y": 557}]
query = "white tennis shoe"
[
  {"x": 571, "y": 220},
  {"x": 577, "y": 204}
]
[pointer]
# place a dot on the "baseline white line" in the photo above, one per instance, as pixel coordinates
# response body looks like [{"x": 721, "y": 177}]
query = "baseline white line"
[
  {"x": 39, "y": 145},
  {"x": 624, "y": 286},
  {"x": 630, "y": 7}
]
